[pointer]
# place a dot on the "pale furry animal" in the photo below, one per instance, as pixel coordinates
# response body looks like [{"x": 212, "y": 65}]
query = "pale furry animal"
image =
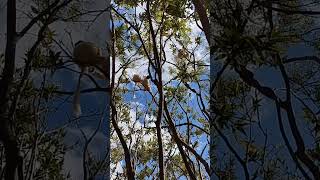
[
  {"x": 143, "y": 81},
  {"x": 85, "y": 54}
]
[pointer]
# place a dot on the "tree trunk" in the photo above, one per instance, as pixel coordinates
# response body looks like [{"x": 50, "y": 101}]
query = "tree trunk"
[{"x": 7, "y": 136}]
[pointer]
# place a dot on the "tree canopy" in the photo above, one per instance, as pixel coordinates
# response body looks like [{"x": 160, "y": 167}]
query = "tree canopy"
[{"x": 198, "y": 89}]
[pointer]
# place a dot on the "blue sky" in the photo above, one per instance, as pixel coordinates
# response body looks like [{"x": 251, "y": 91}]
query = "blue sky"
[{"x": 96, "y": 101}]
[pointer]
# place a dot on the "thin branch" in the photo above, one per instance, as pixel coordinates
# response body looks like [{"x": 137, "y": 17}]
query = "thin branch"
[
  {"x": 303, "y": 58},
  {"x": 37, "y": 18},
  {"x": 283, "y": 134},
  {"x": 290, "y": 11},
  {"x": 158, "y": 69}
]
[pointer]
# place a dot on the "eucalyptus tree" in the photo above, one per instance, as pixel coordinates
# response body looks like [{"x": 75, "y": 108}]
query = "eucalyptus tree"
[
  {"x": 267, "y": 51},
  {"x": 164, "y": 39},
  {"x": 33, "y": 142}
]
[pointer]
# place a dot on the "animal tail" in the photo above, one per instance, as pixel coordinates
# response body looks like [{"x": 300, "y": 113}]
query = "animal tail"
[{"x": 76, "y": 98}]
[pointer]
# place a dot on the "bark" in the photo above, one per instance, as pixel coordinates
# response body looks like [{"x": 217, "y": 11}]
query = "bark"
[
  {"x": 127, "y": 156},
  {"x": 176, "y": 138},
  {"x": 159, "y": 84},
  {"x": 202, "y": 13},
  {"x": 14, "y": 161},
  {"x": 248, "y": 77},
  {"x": 7, "y": 135}
]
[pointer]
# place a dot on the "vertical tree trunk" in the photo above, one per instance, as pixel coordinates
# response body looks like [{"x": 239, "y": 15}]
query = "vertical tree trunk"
[
  {"x": 202, "y": 13},
  {"x": 7, "y": 136}
]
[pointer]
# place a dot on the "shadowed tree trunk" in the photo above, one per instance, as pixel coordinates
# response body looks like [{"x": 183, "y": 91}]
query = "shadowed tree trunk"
[{"x": 7, "y": 136}]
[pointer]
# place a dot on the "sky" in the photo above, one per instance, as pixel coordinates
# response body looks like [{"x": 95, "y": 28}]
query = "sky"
[
  {"x": 96, "y": 101},
  {"x": 91, "y": 102}
]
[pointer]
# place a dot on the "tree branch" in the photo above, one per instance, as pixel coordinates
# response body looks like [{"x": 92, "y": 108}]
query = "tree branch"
[
  {"x": 202, "y": 12},
  {"x": 37, "y": 18}
]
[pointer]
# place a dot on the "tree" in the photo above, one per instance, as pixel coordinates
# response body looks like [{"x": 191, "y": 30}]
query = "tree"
[
  {"x": 158, "y": 33},
  {"x": 251, "y": 39},
  {"x": 162, "y": 129},
  {"x": 32, "y": 149}
]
